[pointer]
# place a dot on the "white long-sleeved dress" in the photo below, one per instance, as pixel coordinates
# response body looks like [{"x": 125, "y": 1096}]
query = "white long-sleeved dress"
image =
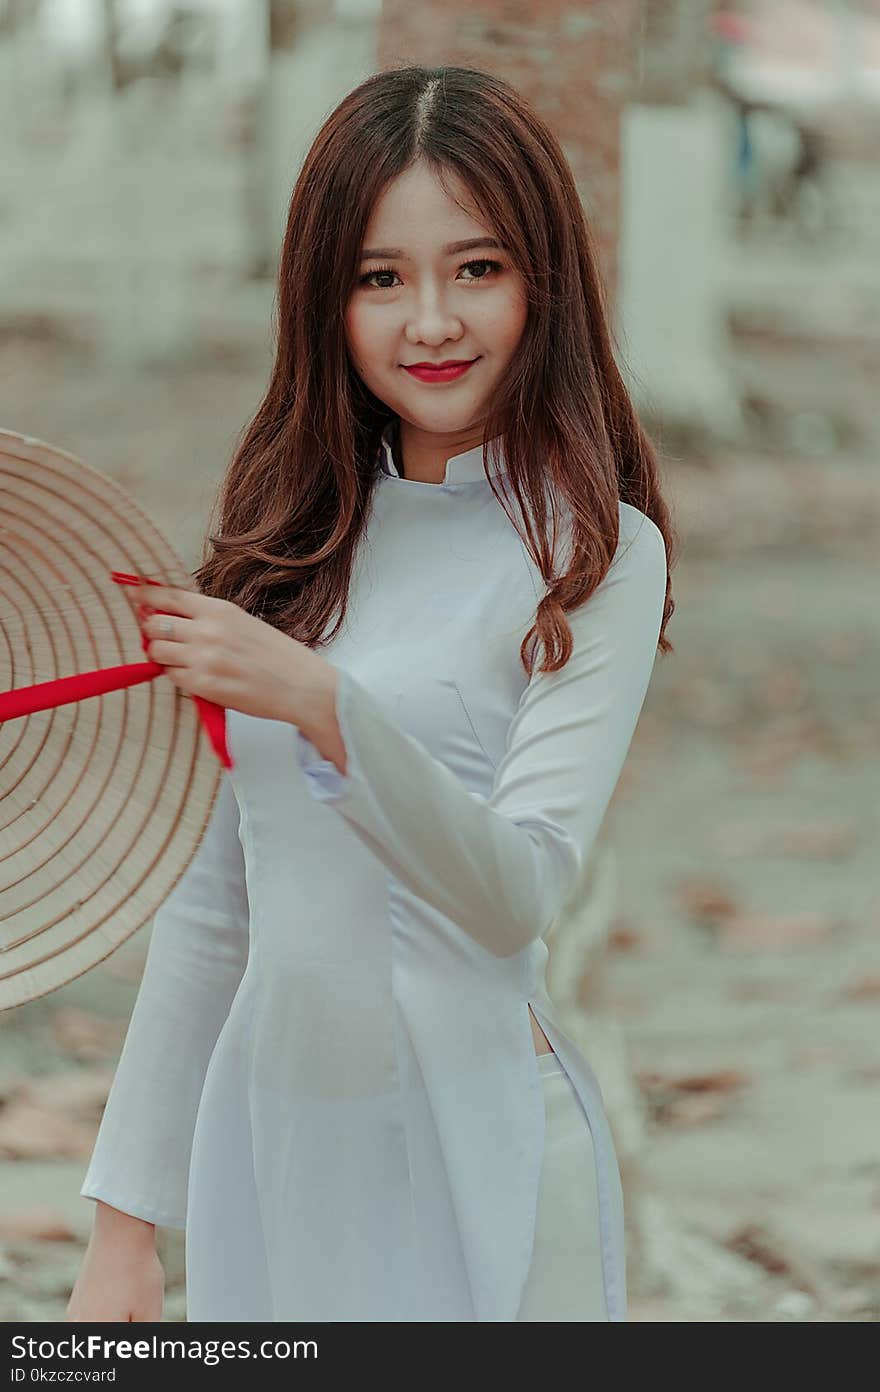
[{"x": 329, "y": 1077}]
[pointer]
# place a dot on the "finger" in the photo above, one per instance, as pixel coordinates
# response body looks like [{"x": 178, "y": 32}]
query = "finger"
[
  {"x": 134, "y": 597},
  {"x": 153, "y": 625},
  {"x": 167, "y": 653},
  {"x": 171, "y": 600}
]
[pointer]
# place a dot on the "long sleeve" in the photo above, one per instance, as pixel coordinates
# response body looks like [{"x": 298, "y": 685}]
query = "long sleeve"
[
  {"x": 195, "y": 961},
  {"x": 502, "y": 867}
]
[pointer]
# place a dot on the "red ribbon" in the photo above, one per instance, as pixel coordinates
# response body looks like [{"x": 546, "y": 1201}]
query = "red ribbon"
[{"x": 25, "y": 700}]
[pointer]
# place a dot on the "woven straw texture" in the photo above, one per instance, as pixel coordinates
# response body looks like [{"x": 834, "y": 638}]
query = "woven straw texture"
[{"x": 103, "y": 801}]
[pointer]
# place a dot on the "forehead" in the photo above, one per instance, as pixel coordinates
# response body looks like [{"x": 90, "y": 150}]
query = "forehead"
[{"x": 414, "y": 208}]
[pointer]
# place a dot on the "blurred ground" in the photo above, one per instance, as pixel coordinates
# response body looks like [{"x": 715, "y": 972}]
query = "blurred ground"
[{"x": 747, "y": 967}]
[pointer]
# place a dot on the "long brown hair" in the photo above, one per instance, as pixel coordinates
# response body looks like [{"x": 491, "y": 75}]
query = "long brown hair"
[{"x": 296, "y": 495}]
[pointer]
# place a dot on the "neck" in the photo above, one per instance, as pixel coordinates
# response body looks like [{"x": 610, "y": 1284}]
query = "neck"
[{"x": 425, "y": 457}]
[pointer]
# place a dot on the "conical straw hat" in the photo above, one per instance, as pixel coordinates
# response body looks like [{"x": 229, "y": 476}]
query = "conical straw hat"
[{"x": 104, "y": 800}]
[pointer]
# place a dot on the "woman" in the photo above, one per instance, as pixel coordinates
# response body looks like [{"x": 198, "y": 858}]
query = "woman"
[{"x": 343, "y": 1074}]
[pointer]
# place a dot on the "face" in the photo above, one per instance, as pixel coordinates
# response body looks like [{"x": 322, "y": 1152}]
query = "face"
[{"x": 425, "y": 303}]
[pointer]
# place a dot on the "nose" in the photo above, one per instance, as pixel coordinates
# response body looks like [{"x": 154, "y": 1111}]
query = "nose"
[{"x": 432, "y": 322}]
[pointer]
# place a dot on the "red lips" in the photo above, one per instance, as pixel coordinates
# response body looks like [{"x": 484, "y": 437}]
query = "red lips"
[{"x": 438, "y": 372}]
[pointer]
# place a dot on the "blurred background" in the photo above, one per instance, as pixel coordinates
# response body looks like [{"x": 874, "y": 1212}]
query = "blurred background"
[{"x": 722, "y": 961}]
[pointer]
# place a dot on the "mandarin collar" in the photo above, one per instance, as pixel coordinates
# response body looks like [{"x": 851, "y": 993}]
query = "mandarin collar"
[{"x": 460, "y": 468}]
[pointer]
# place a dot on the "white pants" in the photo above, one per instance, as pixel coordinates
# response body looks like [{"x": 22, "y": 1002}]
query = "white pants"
[{"x": 565, "y": 1280}]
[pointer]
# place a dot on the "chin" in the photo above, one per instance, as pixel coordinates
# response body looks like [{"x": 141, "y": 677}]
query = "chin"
[
  {"x": 447, "y": 416},
  {"x": 449, "y": 425}
]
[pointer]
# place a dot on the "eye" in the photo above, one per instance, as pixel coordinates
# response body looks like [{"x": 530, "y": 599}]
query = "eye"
[
  {"x": 494, "y": 266},
  {"x": 380, "y": 270}
]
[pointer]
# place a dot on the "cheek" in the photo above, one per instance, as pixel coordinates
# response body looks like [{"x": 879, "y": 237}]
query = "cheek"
[
  {"x": 354, "y": 332},
  {"x": 509, "y": 322},
  {"x": 365, "y": 335}
]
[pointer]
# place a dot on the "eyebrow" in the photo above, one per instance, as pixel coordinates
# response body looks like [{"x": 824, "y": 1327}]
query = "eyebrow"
[{"x": 390, "y": 253}]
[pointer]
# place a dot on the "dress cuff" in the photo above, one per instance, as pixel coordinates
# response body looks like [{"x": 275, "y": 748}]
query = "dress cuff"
[{"x": 323, "y": 779}]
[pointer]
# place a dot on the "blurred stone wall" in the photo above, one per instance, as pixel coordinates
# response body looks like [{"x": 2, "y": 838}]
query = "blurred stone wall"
[{"x": 574, "y": 62}]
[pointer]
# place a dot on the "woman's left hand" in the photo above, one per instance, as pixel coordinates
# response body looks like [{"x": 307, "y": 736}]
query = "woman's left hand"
[{"x": 219, "y": 651}]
